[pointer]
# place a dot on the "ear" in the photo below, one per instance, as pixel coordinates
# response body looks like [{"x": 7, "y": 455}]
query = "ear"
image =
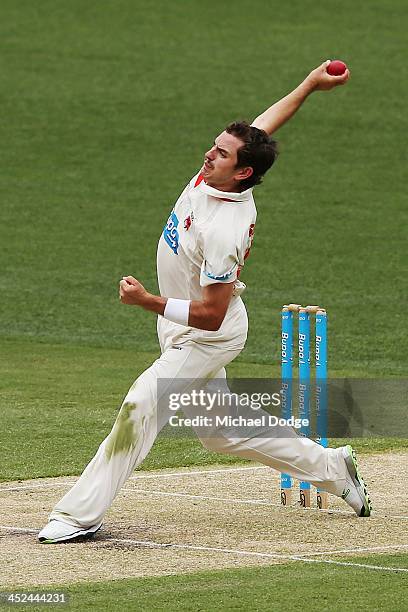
[{"x": 244, "y": 173}]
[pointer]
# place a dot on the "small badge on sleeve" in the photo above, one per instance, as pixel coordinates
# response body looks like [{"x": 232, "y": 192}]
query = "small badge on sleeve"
[{"x": 188, "y": 221}]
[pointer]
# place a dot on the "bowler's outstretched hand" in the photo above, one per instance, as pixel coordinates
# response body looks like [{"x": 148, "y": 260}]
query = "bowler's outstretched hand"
[
  {"x": 279, "y": 113},
  {"x": 320, "y": 79}
]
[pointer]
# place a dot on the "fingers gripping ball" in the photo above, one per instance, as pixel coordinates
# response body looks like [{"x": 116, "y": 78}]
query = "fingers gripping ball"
[{"x": 336, "y": 68}]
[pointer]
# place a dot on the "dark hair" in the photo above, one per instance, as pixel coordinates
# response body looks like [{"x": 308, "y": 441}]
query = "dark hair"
[{"x": 258, "y": 151}]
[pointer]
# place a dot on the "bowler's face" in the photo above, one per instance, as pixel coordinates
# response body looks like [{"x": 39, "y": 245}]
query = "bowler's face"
[{"x": 220, "y": 162}]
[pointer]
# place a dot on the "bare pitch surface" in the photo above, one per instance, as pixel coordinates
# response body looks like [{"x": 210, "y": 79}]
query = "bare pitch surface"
[{"x": 181, "y": 521}]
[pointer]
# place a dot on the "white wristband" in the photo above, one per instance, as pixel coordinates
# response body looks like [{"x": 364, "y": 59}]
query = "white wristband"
[{"x": 177, "y": 311}]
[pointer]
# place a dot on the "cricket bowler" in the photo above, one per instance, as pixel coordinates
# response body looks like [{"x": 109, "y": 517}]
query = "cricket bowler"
[{"x": 202, "y": 326}]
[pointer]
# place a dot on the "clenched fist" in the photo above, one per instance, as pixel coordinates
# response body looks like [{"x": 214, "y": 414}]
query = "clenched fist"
[{"x": 131, "y": 291}]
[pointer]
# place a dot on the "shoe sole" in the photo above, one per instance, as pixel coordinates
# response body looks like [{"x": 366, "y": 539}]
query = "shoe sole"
[
  {"x": 79, "y": 535},
  {"x": 352, "y": 466}
]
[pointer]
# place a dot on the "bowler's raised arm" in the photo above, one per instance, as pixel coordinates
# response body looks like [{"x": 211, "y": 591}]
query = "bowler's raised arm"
[{"x": 280, "y": 112}]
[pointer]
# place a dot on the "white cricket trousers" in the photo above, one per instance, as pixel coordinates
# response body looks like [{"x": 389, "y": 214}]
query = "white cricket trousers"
[{"x": 139, "y": 421}]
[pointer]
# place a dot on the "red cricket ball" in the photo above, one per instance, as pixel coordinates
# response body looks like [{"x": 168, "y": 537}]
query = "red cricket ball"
[{"x": 336, "y": 68}]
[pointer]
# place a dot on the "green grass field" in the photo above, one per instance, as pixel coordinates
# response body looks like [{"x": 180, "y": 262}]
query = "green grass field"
[
  {"x": 270, "y": 588},
  {"x": 107, "y": 109},
  {"x": 258, "y": 589},
  {"x": 70, "y": 395}
]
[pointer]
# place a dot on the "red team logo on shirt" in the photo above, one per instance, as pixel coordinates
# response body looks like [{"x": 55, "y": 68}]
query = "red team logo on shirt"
[
  {"x": 187, "y": 222},
  {"x": 250, "y": 239}
]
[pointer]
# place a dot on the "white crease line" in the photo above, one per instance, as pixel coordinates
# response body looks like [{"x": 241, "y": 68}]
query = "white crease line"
[
  {"x": 220, "y": 471},
  {"x": 359, "y": 549},
  {"x": 22, "y": 529},
  {"x": 157, "y": 544},
  {"x": 393, "y": 516},
  {"x": 203, "y": 497},
  {"x": 256, "y": 502},
  {"x": 350, "y": 564},
  {"x": 44, "y": 485},
  {"x": 193, "y": 473},
  {"x": 247, "y": 553},
  {"x": 142, "y": 476}
]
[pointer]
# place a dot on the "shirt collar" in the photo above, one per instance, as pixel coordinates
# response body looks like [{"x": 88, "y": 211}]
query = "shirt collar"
[{"x": 228, "y": 196}]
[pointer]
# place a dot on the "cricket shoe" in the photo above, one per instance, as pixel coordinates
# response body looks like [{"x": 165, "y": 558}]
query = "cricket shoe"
[
  {"x": 355, "y": 492},
  {"x": 57, "y": 531}
]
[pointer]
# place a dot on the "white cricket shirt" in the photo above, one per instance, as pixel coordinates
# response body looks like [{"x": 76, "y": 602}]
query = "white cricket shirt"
[{"x": 206, "y": 240}]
